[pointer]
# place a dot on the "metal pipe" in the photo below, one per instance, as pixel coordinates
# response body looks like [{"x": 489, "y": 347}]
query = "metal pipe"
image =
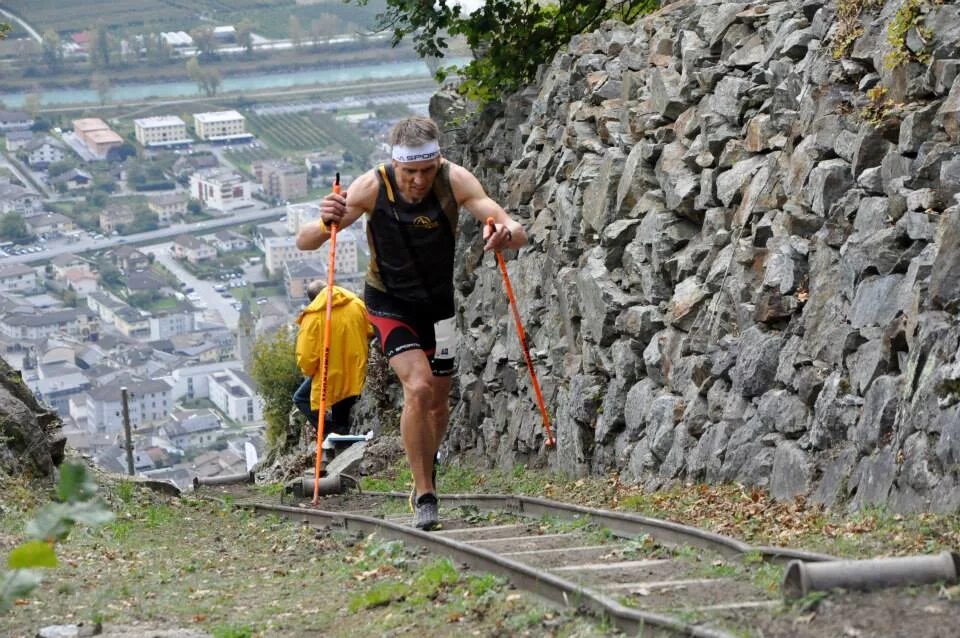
[
  {"x": 801, "y": 578},
  {"x": 226, "y": 479},
  {"x": 327, "y": 486}
]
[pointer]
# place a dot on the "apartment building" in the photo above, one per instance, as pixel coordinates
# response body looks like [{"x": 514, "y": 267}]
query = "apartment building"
[
  {"x": 220, "y": 189},
  {"x": 281, "y": 180},
  {"x": 171, "y": 324},
  {"x": 279, "y": 250},
  {"x": 300, "y": 214},
  {"x": 168, "y": 206},
  {"x": 193, "y": 381},
  {"x": 220, "y": 126},
  {"x": 38, "y": 325},
  {"x": 162, "y": 130},
  {"x": 149, "y": 401}
]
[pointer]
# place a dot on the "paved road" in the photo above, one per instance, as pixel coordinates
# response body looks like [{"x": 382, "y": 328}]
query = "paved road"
[
  {"x": 143, "y": 239},
  {"x": 218, "y": 308}
]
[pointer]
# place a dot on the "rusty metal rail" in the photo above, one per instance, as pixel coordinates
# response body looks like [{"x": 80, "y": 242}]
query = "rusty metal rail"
[
  {"x": 565, "y": 568},
  {"x": 537, "y": 581}
]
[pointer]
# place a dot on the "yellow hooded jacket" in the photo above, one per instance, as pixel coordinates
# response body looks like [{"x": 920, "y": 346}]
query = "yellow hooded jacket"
[{"x": 350, "y": 334}]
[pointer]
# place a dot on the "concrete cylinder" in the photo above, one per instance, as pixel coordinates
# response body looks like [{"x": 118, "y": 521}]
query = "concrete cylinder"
[{"x": 876, "y": 573}]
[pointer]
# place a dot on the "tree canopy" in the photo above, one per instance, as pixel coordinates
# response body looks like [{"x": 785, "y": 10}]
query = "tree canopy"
[
  {"x": 13, "y": 228},
  {"x": 509, "y": 38}
]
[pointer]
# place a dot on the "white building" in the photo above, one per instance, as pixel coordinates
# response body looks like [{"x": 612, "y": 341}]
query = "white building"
[
  {"x": 148, "y": 402},
  {"x": 279, "y": 250},
  {"x": 221, "y": 189},
  {"x": 44, "y": 151},
  {"x": 16, "y": 199},
  {"x": 192, "y": 249},
  {"x": 162, "y": 130},
  {"x": 299, "y": 215},
  {"x": 172, "y": 324},
  {"x": 193, "y": 382},
  {"x": 37, "y": 325},
  {"x": 18, "y": 278},
  {"x": 233, "y": 393},
  {"x": 220, "y": 126},
  {"x": 192, "y": 428}
]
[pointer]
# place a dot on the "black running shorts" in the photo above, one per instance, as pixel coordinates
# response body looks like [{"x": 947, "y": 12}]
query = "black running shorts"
[{"x": 401, "y": 326}]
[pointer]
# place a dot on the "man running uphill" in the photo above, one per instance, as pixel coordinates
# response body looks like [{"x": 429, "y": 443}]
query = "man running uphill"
[{"x": 412, "y": 208}]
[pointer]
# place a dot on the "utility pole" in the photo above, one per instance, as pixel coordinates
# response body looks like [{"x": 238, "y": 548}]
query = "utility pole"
[{"x": 126, "y": 429}]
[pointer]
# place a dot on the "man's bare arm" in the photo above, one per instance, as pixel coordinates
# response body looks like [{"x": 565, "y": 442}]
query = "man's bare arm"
[
  {"x": 470, "y": 194},
  {"x": 342, "y": 210}
]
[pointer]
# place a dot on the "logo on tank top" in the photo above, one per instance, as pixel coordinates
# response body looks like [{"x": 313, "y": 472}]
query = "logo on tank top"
[{"x": 425, "y": 222}]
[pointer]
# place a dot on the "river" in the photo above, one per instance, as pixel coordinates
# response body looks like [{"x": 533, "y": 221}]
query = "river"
[{"x": 144, "y": 90}]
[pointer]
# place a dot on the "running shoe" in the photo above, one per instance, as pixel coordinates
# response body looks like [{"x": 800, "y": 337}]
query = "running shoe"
[
  {"x": 413, "y": 490},
  {"x": 427, "y": 515}
]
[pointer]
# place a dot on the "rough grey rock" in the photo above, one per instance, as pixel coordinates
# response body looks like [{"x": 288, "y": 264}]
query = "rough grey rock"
[
  {"x": 716, "y": 228},
  {"x": 792, "y": 472},
  {"x": 756, "y": 368}
]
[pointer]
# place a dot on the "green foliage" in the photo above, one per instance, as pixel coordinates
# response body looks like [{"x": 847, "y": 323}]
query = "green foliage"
[
  {"x": 32, "y": 554},
  {"x": 233, "y": 632},
  {"x": 13, "y": 228},
  {"x": 910, "y": 15},
  {"x": 434, "y": 576},
  {"x": 274, "y": 369},
  {"x": 77, "y": 502},
  {"x": 379, "y": 595},
  {"x": 509, "y": 38},
  {"x": 876, "y": 111}
]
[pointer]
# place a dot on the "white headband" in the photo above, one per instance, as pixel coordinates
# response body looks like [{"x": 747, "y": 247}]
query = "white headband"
[{"x": 421, "y": 153}]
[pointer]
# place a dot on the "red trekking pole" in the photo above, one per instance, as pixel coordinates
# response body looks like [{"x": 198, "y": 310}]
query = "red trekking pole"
[
  {"x": 523, "y": 339},
  {"x": 326, "y": 352}
]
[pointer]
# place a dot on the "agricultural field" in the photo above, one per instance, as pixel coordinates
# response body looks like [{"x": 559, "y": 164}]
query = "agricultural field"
[
  {"x": 308, "y": 132},
  {"x": 270, "y": 17},
  {"x": 244, "y": 157}
]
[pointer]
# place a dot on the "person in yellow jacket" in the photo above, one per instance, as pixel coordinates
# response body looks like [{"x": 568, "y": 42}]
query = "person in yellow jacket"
[{"x": 350, "y": 334}]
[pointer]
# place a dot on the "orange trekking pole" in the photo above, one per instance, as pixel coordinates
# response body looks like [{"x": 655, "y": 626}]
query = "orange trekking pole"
[
  {"x": 326, "y": 352},
  {"x": 523, "y": 340}
]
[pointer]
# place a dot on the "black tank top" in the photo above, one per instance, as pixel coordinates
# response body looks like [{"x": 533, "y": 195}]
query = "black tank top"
[{"x": 412, "y": 245}]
